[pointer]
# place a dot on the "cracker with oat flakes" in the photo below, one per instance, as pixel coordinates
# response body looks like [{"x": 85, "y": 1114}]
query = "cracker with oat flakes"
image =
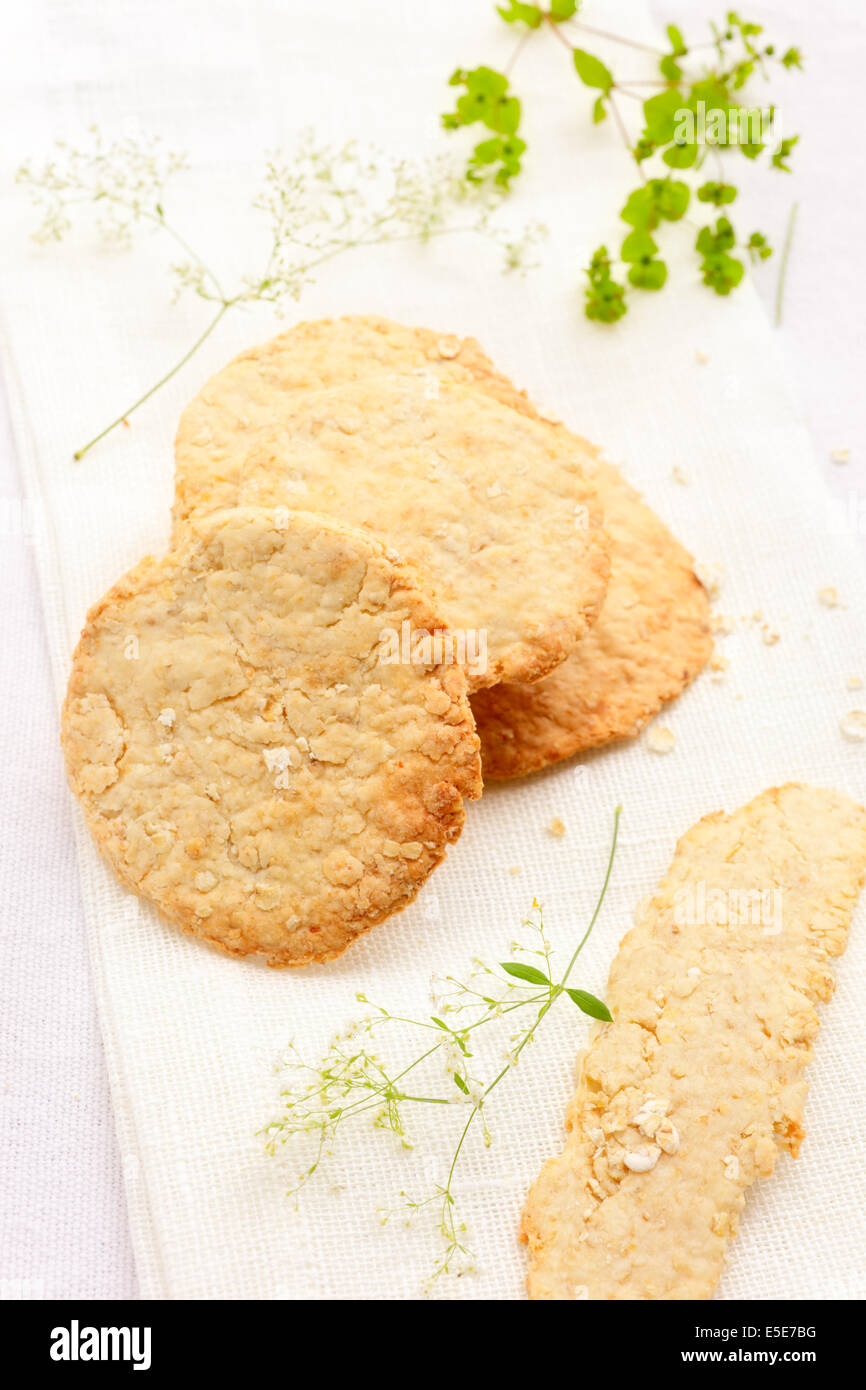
[
  {"x": 699, "y": 1082},
  {"x": 314, "y": 354},
  {"x": 651, "y": 639},
  {"x": 490, "y": 507},
  {"x": 244, "y": 755}
]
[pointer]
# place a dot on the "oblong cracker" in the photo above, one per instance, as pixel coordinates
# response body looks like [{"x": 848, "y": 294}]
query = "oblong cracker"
[
  {"x": 247, "y": 754},
  {"x": 491, "y": 507},
  {"x": 687, "y": 1097},
  {"x": 651, "y": 638}
]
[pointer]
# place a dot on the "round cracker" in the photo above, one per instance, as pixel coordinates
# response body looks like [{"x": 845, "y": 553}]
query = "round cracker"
[
  {"x": 651, "y": 639},
  {"x": 314, "y": 354},
  {"x": 491, "y": 507},
  {"x": 246, "y": 753}
]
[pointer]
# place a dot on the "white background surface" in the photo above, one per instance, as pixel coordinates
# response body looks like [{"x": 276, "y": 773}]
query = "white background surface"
[{"x": 64, "y": 1230}]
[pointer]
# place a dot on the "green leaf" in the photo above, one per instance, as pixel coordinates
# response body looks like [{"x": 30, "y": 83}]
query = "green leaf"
[
  {"x": 488, "y": 102},
  {"x": 661, "y": 114},
  {"x": 742, "y": 73},
  {"x": 676, "y": 40},
  {"x": 672, "y": 197},
  {"x": 660, "y": 198},
  {"x": 640, "y": 209},
  {"x": 605, "y": 298},
  {"x": 722, "y": 273},
  {"x": 524, "y": 972},
  {"x": 793, "y": 58},
  {"x": 648, "y": 275},
  {"x": 461, "y": 1084},
  {"x": 670, "y": 68},
  {"x": 758, "y": 247},
  {"x": 487, "y": 81},
  {"x": 715, "y": 239},
  {"x": 563, "y": 9},
  {"x": 717, "y": 193},
  {"x": 592, "y": 71},
  {"x": 439, "y": 1023},
  {"x": 599, "y": 111},
  {"x": 505, "y": 150},
  {"x": 638, "y": 246},
  {"x": 588, "y": 1004},
  {"x": 524, "y": 14},
  {"x": 782, "y": 153},
  {"x": 680, "y": 156}
]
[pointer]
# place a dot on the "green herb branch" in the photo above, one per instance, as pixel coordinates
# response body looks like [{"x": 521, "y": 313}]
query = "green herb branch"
[
  {"x": 352, "y": 1082},
  {"x": 698, "y": 112},
  {"x": 319, "y": 203}
]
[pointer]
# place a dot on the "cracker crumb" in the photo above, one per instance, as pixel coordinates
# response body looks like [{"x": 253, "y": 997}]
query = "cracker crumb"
[
  {"x": 721, "y": 622},
  {"x": 769, "y": 636},
  {"x": 855, "y": 683},
  {"x": 718, "y": 666},
  {"x": 829, "y": 597},
  {"x": 448, "y": 347},
  {"x": 515, "y": 869},
  {"x": 660, "y": 740},
  {"x": 556, "y": 828},
  {"x": 711, "y": 577},
  {"x": 853, "y": 725},
  {"x": 679, "y": 476},
  {"x": 638, "y": 1161},
  {"x": 840, "y": 455},
  {"x": 702, "y": 357}
]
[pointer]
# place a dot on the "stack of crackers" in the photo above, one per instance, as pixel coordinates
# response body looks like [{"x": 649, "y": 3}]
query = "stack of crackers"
[{"x": 387, "y": 573}]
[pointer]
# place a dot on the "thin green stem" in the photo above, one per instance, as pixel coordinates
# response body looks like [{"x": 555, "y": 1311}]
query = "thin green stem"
[
  {"x": 79, "y": 453},
  {"x": 601, "y": 897},
  {"x": 545, "y": 1008},
  {"x": 783, "y": 267},
  {"x": 618, "y": 38}
]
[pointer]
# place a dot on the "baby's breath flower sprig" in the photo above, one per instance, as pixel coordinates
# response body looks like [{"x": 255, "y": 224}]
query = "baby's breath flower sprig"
[
  {"x": 694, "y": 110},
  {"x": 354, "y": 1081},
  {"x": 320, "y": 202}
]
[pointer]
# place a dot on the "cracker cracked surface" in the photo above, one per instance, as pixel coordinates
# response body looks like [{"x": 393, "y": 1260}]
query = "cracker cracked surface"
[
  {"x": 243, "y": 755},
  {"x": 690, "y": 1094},
  {"x": 489, "y": 504}
]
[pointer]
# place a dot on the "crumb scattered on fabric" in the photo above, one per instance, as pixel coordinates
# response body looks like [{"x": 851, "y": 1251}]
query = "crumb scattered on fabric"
[
  {"x": 556, "y": 828},
  {"x": 515, "y": 869},
  {"x": 718, "y": 666},
  {"x": 702, "y": 357},
  {"x": 711, "y": 577},
  {"x": 769, "y": 636},
  {"x": 853, "y": 725},
  {"x": 855, "y": 683},
  {"x": 829, "y": 597},
  {"x": 660, "y": 739},
  {"x": 679, "y": 476},
  {"x": 840, "y": 455}
]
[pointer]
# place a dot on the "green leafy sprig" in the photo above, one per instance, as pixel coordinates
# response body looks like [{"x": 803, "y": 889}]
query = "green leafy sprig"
[
  {"x": 353, "y": 1082},
  {"x": 319, "y": 203},
  {"x": 699, "y": 112}
]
